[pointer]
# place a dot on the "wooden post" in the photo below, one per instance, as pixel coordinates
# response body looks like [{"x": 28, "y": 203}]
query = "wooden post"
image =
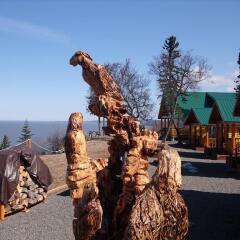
[
  {"x": 219, "y": 137},
  {"x": 207, "y": 128},
  {"x": 195, "y": 135},
  {"x": 201, "y": 140},
  {"x": 161, "y": 127},
  {"x": 228, "y": 143},
  {"x": 223, "y": 143},
  {"x": 233, "y": 139},
  {"x": 2, "y": 212},
  {"x": 190, "y": 134}
]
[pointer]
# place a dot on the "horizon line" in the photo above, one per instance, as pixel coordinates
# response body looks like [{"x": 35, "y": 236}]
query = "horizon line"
[{"x": 43, "y": 120}]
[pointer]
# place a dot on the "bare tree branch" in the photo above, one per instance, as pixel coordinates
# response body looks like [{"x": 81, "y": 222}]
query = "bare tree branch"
[
  {"x": 177, "y": 73},
  {"x": 134, "y": 89}
]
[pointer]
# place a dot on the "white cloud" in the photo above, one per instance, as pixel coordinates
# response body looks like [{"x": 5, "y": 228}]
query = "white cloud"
[
  {"x": 217, "y": 83},
  {"x": 29, "y": 29}
]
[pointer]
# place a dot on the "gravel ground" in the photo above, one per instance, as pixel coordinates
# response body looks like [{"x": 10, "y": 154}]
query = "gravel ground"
[
  {"x": 212, "y": 194},
  {"x": 45, "y": 221},
  {"x": 211, "y": 191}
]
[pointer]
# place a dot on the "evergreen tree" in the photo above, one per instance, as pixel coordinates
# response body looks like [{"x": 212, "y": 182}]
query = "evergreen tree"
[
  {"x": 25, "y": 133},
  {"x": 237, "y": 81},
  {"x": 167, "y": 76},
  {"x": 176, "y": 74},
  {"x": 5, "y": 142}
]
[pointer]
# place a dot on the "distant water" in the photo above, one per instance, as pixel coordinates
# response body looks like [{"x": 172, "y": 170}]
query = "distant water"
[
  {"x": 41, "y": 129},
  {"x": 44, "y": 129}
]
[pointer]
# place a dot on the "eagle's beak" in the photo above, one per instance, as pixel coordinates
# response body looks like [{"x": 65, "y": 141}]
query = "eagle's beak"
[{"x": 73, "y": 61}]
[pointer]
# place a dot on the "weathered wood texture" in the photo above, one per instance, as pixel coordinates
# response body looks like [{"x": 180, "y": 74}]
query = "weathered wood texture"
[
  {"x": 117, "y": 199},
  {"x": 82, "y": 181},
  {"x": 28, "y": 193}
]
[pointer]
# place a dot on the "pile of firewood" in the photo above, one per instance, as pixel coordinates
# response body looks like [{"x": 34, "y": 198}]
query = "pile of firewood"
[{"x": 28, "y": 193}]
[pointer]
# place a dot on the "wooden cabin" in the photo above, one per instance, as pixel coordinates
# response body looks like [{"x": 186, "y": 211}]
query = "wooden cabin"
[
  {"x": 191, "y": 100},
  {"x": 202, "y": 135},
  {"x": 234, "y": 161},
  {"x": 184, "y": 105},
  {"x": 228, "y": 127}
]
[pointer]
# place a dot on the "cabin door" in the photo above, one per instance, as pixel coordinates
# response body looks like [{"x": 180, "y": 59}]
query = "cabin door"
[{"x": 212, "y": 133}]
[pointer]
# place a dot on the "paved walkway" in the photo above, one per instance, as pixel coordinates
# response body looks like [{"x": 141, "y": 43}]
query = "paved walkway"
[{"x": 210, "y": 189}]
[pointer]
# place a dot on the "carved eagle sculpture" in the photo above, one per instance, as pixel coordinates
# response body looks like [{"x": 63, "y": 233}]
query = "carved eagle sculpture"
[{"x": 140, "y": 207}]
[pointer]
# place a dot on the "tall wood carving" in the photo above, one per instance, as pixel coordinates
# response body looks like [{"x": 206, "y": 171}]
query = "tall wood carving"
[{"x": 116, "y": 198}]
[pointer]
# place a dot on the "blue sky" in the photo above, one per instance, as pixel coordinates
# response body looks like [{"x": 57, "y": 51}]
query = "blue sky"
[{"x": 39, "y": 37}]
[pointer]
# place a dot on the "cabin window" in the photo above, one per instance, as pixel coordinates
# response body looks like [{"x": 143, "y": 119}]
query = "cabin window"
[{"x": 212, "y": 131}]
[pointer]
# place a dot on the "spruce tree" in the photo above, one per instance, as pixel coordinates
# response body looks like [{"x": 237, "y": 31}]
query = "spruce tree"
[
  {"x": 167, "y": 78},
  {"x": 237, "y": 81},
  {"x": 5, "y": 142},
  {"x": 177, "y": 73},
  {"x": 25, "y": 132},
  {"x": 166, "y": 69}
]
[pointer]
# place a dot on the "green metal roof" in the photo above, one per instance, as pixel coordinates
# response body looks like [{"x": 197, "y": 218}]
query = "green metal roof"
[
  {"x": 226, "y": 108},
  {"x": 200, "y": 100},
  {"x": 222, "y": 95},
  {"x": 191, "y": 100},
  {"x": 202, "y": 115}
]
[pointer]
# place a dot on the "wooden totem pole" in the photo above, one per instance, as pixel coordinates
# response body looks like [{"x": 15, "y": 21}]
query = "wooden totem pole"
[{"x": 116, "y": 198}]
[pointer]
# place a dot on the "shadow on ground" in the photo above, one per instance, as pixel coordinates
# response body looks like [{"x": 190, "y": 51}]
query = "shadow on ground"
[
  {"x": 215, "y": 170},
  {"x": 64, "y": 193},
  {"x": 213, "y": 216},
  {"x": 179, "y": 145},
  {"x": 198, "y": 155}
]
